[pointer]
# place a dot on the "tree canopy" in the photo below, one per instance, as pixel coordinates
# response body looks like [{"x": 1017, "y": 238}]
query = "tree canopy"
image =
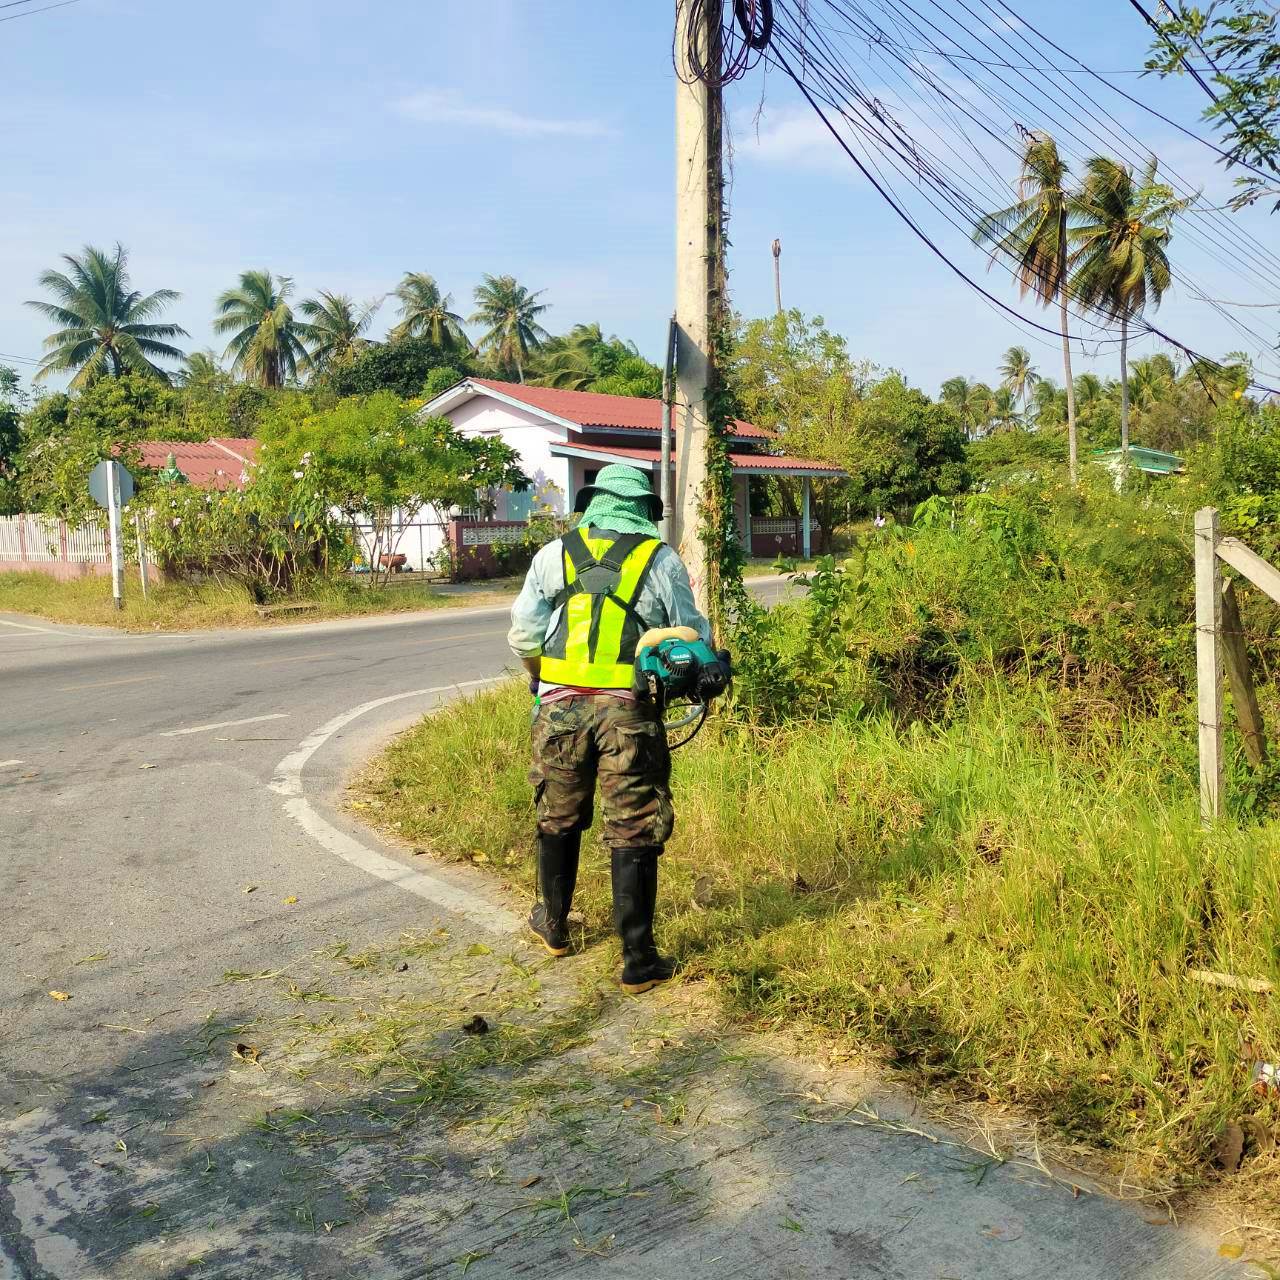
[
  {"x": 105, "y": 325},
  {"x": 267, "y": 343}
]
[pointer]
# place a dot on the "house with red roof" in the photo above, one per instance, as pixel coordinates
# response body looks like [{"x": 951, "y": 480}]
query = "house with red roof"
[
  {"x": 221, "y": 463},
  {"x": 565, "y": 437}
]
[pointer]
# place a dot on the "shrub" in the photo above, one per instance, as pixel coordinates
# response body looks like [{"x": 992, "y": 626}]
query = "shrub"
[{"x": 1085, "y": 587}]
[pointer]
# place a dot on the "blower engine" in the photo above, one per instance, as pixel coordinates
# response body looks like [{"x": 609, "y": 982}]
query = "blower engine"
[{"x": 674, "y": 667}]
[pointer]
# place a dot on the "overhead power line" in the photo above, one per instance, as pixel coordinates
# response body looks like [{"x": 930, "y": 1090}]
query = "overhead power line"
[
  {"x": 939, "y": 139},
  {"x": 30, "y": 13}
]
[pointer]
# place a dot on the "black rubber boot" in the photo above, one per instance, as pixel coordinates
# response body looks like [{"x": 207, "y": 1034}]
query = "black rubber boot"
[
  {"x": 635, "y": 896},
  {"x": 557, "y": 876}
]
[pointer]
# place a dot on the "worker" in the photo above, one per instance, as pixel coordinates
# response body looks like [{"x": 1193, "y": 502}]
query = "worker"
[{"x": 586, "y": 602}]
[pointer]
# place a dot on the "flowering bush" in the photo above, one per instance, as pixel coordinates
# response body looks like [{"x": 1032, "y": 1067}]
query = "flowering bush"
[
  {"x": 265, "y": 536},
  {"x": 376, "y": 462}
]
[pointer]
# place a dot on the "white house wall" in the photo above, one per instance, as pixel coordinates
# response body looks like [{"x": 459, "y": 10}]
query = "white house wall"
[{"x": 530, "y": 436}]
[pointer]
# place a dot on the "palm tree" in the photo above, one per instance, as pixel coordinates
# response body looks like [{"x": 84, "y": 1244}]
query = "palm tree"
[
  {"x": 1151, "y": 380},
  {"x": 266, "y": 342},
  {"x": 336, "y": 324},
  {"x": 979, "y": 408},
  {"x": 1019, "y": 377},
  {"x": 954, "y": 393},
  {"x": 565, "y": 362},
  {"x": 1004, "y": 409},
  {"x": 1089, "y": 390},
  {"x": 1033, "y": 232},
  {"x": 1050, "y": 401},
  {"x": 425, "y": 313},
  {"x": 1119, "y": 262},
  {"x": 510, "y": 313},
  {"x": 199, "y": 368},
  {"x": 105, "y": 326}
]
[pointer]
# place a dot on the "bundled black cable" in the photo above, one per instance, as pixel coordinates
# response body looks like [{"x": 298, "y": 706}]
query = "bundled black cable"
[{"x": 737, "y": 41}]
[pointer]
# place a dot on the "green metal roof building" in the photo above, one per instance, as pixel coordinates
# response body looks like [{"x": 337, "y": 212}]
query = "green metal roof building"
[{"x": 1155, "y": 462}]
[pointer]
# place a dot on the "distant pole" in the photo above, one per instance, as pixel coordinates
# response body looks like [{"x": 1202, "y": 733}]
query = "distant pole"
[
  {"x": 113, "y": 527},
  {"x": 777, "y": 275},
  {"x": 664, "y": 479},
  {"x": 699, "y": 221}
]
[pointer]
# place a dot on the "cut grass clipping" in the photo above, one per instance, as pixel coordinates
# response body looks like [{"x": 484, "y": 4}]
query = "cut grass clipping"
[{"x": 998, "y": 905}]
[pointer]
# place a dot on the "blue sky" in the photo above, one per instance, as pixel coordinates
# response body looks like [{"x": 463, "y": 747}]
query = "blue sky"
[{"x": 345, "y": 143}]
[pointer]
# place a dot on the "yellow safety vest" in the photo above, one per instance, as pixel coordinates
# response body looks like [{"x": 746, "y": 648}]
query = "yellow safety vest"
[{"x": 592, "y": 644}]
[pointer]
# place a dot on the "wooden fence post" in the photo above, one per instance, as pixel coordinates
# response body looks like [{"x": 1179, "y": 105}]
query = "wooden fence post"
[
  {"x": 1243, "y": 694},
  {"x": 1209, "y": 661}
]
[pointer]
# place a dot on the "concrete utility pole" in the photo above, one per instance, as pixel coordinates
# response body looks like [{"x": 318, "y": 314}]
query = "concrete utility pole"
[
  {"x": 699, "y": 221},
  {"x": 777, "y": 275}
]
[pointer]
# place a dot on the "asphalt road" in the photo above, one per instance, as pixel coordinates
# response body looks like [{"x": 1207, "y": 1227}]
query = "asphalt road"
[{"x": 167, "y": 815}]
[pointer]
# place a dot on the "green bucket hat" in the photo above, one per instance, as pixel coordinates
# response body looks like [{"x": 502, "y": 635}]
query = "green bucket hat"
[{"x": 620, "y": 499}]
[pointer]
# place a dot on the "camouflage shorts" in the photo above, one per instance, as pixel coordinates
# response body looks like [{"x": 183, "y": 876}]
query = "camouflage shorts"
[{"x": 576, "y": 740}]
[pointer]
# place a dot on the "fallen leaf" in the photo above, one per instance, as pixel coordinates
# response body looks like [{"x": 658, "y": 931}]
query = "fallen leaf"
[
  {"x": 628, "y": 1103},
  {"x": 290, "y": 900},
  {"x": 246, "y": 1053},
  {"x": 1231, "y": 1251},
  {"x": 476, "y": 1026},
  {"x": 59, "y": 995},
  {"x": 479, "y": 949},
  {"x": 532, "y": 1182},
  {"x": 250, "y": 888},
  {"x": 1230, "y": 1149},
  {"x": 146, "y": 766},
  {"x": 479, "y": 856}
]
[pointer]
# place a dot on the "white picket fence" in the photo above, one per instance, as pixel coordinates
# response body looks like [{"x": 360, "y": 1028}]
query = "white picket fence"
[{"x": 45, "y": 540}]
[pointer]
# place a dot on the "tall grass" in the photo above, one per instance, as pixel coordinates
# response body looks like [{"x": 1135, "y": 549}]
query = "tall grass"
[
  {"x": 953, "y": 814},
  {"x": 1003, "y": 903}
]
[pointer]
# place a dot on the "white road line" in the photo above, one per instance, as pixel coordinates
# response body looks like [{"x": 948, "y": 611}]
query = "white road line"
[
  {"x": 8, "y": 764},
  {"x": 22, "y": 626},
  {"x": 287, "y": 782},
  {"x": 223, "y": 724}
]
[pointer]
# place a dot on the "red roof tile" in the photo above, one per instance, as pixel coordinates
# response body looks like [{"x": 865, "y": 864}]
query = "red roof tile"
[
  {"x": 740, "y": 461},
  {"x": 594, "y": 409},
  {"x": 216, "y": 464}
]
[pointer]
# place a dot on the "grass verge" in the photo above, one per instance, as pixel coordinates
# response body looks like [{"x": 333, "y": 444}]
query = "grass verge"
[
  {"x": 1007, "y": 906},
  {"x": 186, "y": 607}
]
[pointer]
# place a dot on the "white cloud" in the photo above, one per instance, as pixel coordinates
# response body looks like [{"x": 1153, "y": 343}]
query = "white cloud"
[
  {"x": 791, "y": 137},
  {"x": 441, "y": 106}
]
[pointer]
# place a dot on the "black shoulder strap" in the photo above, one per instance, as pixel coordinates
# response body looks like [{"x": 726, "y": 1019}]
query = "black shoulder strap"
[
  {"x": 625, "y": 544},
  {"x": 575, "y": 547}
]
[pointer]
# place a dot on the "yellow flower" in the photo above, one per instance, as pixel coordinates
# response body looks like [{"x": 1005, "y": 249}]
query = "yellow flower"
[{"x": 1238, "y": 394}]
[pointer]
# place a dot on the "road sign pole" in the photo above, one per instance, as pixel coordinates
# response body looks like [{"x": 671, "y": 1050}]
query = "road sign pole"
[{"x": 113, "y": 521}]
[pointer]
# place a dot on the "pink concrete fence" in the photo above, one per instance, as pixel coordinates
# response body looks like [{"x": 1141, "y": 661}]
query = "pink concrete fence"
[
  {"x": 479, "y": 549},
  {"x": 41, "y": 544},
  {"x": 771, "y": 537}
]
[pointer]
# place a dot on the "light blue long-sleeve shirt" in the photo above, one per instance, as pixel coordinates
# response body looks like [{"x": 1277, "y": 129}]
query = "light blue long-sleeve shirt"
[{"x": 666, "y": 600}]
